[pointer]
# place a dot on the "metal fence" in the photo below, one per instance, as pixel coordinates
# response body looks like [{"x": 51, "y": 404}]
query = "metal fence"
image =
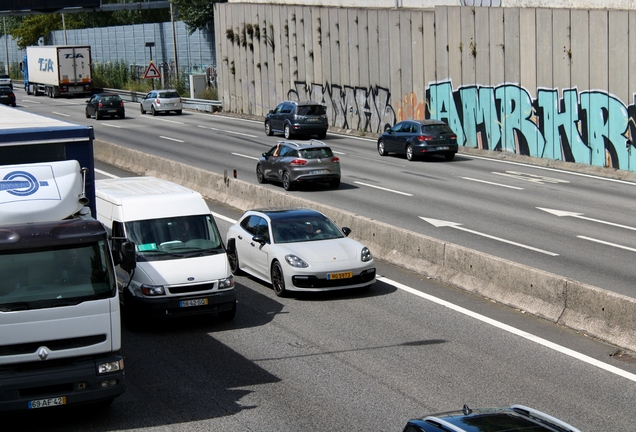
[{"x": 203, "y": 105}]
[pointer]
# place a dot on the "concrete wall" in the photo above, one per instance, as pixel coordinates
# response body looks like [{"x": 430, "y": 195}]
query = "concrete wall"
[
  {"x": 594, "y": 311},
  {"x": 547, "y": 83}
]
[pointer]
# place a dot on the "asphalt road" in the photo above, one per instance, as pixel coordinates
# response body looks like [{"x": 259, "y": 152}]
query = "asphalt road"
[
  {"x": 351, "y": 360},
  {"x": 572, "y": 224}
]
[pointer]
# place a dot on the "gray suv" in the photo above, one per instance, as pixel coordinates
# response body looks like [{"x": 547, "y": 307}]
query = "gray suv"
[
  {"x": 292, "y": 163},
  {"x": 297, "y": 118}
]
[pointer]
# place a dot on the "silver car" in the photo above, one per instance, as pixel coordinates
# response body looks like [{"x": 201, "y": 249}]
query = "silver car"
[
  {"x": 158, "y": 101},
  {"x": 296, "y": 163}
]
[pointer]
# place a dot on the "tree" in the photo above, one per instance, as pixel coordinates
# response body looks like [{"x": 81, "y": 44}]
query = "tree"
[
  {"x": 33, "y": 27},
  {"x": 196, "y": 14}
]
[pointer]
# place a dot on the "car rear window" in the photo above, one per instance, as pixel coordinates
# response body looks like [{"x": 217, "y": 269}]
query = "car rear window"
[
  {"x": 311, "y": 110},
  {"x": 169, "y": 94},
  {"x": 436, "y": 129},
  {"x": 316, "y": 153},
  {"x": 5, "y": 90},
  {"x": 111, "y": 99}
]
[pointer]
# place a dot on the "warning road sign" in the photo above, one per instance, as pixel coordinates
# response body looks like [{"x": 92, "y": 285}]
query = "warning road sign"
[{"x": 152, "y": 71}]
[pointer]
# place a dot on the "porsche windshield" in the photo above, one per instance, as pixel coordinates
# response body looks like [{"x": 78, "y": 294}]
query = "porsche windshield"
[
  {"x": 174, "y": 237},
  {"x": 33, "y": 279},
  {"x": 304, "y": 229}
]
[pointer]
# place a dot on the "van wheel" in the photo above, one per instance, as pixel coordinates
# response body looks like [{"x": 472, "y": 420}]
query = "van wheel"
[{"x": 229, "y": 314}]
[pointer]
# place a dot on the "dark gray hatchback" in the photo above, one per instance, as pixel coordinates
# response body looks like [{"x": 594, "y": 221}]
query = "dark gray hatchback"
[
  {"x": 418, "y": 138},
  {"x": 297, "y": 118}
]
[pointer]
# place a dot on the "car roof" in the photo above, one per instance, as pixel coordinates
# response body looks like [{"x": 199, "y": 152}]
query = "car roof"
[
  {"x": 313, "y": 143},
  {"x": 106, "y": 94},
  {"x": 516, "y": 417},
  {"x": 305, "y": 102},
  {"x": 287, "y": 213},
  {"x": 427, "y": 122}
]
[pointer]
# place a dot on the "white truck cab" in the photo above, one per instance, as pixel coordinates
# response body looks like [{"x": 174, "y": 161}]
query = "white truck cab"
[{"x": 182, "y": 267}]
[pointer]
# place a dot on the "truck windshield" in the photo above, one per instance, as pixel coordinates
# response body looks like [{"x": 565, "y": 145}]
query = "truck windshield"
[
  {"x": 181, "y": 237},
  {"x": 43, "y": 278}
]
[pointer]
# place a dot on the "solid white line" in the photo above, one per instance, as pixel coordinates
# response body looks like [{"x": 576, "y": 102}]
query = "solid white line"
[
  {"x": 492, "y": 183},
  {"x": 105, "y": 173},
  {"x": 244, "y": 156},
  {"x": 171, "y": 139},
  {"x": 111, "y": 125},
  {"x": 506, "y": 241},
  {"x": 384, "y": 189},
  {"x": 550, "y": 169},
  {"x": 60, "y": 114},
  {"x": 515, "y": 331},
  {"x": 607, "y": 243}
]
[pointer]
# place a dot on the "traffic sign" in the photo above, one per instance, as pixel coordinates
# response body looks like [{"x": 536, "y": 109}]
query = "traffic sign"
[{"x": 152, "y": 71}]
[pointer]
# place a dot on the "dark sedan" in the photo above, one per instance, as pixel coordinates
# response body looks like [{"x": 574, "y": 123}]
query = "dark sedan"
[
  {"x": 7, "y": 97},
  {"x": 105, "y": 105},
  {"x": 418, "y": 138}
]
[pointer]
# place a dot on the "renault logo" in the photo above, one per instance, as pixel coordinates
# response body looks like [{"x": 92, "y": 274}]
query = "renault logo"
[{"x": 43, "y": 353}]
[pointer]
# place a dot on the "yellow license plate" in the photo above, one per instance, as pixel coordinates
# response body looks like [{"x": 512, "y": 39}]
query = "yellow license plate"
[{"x": 343, "y": 275}]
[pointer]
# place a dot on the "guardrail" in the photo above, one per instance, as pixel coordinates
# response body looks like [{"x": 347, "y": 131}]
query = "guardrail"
[{"x": 204, "y": 105}]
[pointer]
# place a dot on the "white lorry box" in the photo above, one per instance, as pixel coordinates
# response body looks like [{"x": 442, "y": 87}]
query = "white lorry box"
[
  {"x": 58, "y": 70},
  {"x": 182, "y": 267}
]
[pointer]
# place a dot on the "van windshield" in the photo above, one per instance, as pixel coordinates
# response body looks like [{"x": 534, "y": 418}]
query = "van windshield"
[
  {"x": 45, "y": 278},
  {"x": 167, "y": 238}
]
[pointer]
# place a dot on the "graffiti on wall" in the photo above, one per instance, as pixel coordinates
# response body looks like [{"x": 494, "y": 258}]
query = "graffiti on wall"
[
  {"x": 365, "y": 109},
  {"x": 588, "y": 127}
]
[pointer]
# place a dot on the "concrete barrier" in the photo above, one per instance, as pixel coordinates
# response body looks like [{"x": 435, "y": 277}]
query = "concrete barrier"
[{"x": 599, "y": 313}]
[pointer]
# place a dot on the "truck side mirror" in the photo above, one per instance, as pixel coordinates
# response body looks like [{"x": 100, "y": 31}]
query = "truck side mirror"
[{"x": 127, "y": 256}]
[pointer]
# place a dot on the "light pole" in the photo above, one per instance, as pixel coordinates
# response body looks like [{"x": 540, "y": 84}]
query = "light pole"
[{"x": 6, "y": 47}]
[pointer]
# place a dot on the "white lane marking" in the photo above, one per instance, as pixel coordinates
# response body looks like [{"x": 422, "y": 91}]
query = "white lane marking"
[
  {"x": 171, "y": 139},
  {"x": 60, "y": 114},
  {"x": 561, "y": 213},
  {"x": 244, "y": 156},
  {"x": 441, "y": 223},
  {"x": 105, "y": 173},
  {"x": 607, "y": 243},
  {"x": 384, "y": 189},
  {"x": 485, "y": 319},
  {"x": 160, "y": 119},
  {"x": 513, "y": 330},
  {"x": 492, "y": 183},
  {"x": 111, "y": 125},
  {"x": 533, "y": 178},
  {"x": 550, "y": 169},
  {"x": 228, "y": 131}
]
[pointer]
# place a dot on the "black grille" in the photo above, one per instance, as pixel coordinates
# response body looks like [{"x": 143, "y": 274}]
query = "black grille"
[
  {"x": 314, "y": 282},
  {"x": 53, "y": 345},
  {"x": 192, "y": 288}
]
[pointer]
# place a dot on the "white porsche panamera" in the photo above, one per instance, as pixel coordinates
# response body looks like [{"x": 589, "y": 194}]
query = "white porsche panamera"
[{"x": 298, "y": 250}]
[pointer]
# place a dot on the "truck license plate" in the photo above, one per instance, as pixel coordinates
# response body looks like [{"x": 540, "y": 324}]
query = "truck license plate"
[
  {"x": 197, "y": 302},
  {"x": 43, "y": 403},
  {"x": 343, "y": 275}
]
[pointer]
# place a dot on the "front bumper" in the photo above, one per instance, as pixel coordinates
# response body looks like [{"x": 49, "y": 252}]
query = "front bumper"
[
  {"x": 300, "y": 282},
  {"x": 166, "y": 307}
]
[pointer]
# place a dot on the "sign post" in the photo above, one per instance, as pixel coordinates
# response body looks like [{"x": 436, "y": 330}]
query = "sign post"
[{"x": 150, "y": 45}]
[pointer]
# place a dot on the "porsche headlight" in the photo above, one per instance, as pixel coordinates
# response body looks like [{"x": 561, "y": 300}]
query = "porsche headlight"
[
  {"x": 366, "y": 254},
  {"x": 295, "y": 261}
]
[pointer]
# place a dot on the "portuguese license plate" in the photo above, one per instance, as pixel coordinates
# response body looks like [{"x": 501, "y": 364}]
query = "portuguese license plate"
[
  {"x": 442, "y": 148},
  {"x": 320, "y": 172},
  {"x": 342, "y": 275},
  {"x": 43, "y": 403},
  {"x": 197, "y": 302}
]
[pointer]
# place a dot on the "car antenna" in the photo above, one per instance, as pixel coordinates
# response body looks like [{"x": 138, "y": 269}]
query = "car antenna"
[{"x": 466, "y": 410}]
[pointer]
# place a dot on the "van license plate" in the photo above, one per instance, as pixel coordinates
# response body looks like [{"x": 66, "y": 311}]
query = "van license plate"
[
  {"x": 343, "y": 275},
  {"x": 197, "y": 302},
  {"x": 43, "y": 403}
]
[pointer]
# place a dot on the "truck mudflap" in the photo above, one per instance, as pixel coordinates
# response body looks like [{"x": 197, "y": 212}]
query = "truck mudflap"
[{"x": 59, "y": 383}]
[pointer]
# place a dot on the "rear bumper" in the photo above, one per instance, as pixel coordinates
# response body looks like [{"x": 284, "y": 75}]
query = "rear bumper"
[
  {"x": 309, "y": 129},
  {"x": 74, "y": 379}
]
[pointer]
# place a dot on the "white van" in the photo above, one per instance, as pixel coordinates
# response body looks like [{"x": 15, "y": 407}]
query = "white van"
[{"x": 182, "y": 267}]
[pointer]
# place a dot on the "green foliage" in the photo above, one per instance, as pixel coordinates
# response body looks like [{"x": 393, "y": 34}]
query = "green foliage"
[
  {"x": 211, "y": 93},
  {"x": 111, "y": 75},
  {"x": 32, "y": 27},
  {"x": 197, "y": 14}
]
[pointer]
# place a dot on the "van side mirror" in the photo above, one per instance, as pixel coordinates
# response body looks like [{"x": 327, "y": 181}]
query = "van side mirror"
[{"x": 127, "y": 257}]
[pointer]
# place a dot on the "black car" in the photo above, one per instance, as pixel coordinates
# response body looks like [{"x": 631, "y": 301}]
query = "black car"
[
  {"x": 105, "y": 105},
  {"x": 7, "y": 97},
  {"x": 418, "y": 138},
  {"x": 297, "y": 118},
  {"x": 509, "y": 419}
]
